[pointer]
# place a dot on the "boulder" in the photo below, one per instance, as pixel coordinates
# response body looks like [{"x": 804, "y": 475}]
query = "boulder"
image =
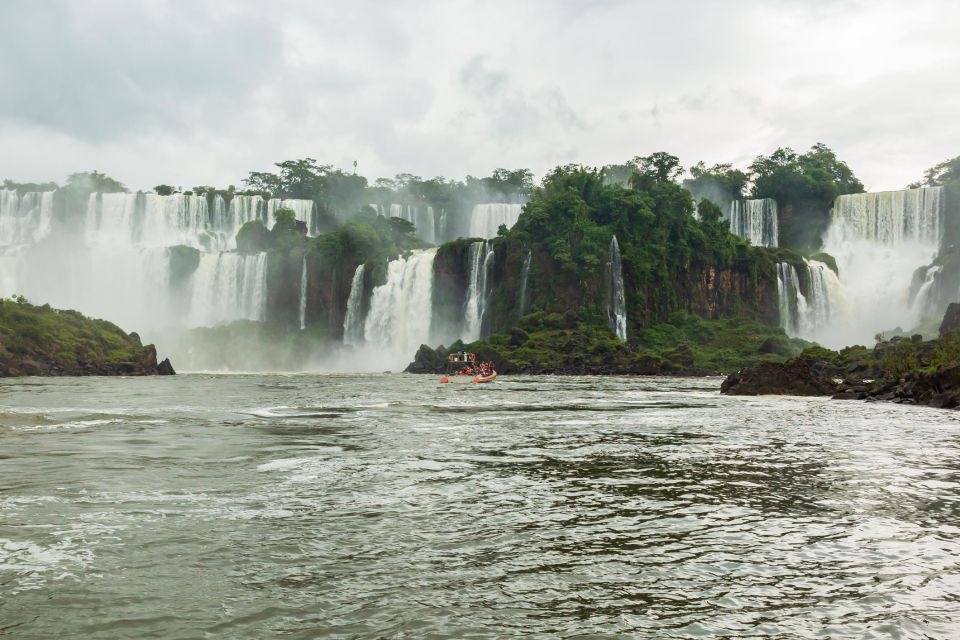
[
  {"x": 165, "y": 368},
  {"x": 792, "y": 378}
]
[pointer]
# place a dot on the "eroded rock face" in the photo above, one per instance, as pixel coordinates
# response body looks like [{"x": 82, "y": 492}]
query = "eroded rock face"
[
  {"x": 791, "y": 378},
  {"x": 951, "y": 319}
]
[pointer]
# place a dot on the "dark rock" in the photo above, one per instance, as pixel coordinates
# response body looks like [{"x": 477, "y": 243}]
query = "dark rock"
[
  {"x": 253, "y": 237},
  {"x": 848, "y": 394},
  {"x": 794, "y": 377},
  {"x": 426, "y": 361},
  {"x": 951, "y": 319},
  {"x": 165, "y": 368}
]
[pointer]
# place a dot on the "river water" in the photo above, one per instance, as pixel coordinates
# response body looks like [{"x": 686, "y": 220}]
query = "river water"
[{"x": 390, "y": 506}]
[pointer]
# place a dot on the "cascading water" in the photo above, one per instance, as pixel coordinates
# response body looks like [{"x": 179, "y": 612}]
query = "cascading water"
[
  {"x": 616, "y": 294},
  {"x": 486, "y": 218},
  {"x": 808, "y": 305},
  {"x": 479, "y": 263},
  {"x": 353, "y": 321},
  {"x": 524, "y": 276},
  {"x": 879, "y": 240},
  {"x": 755, "y": 221},
  {"x": 400, "y": 314},
  {"x": 419, "y": 215},
  {"x": 227, "y": 287},
  {"x": 24, "y": 219},
  {"x": 303, "y": 295},
  {"x": 303, "y": 210}
]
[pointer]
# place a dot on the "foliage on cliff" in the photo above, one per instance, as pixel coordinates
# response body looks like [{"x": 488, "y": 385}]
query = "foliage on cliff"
[
  {"x": 672, "y": 261},
  {"x": 554, "y": 343},
  {"x": 40, "y": 340}
]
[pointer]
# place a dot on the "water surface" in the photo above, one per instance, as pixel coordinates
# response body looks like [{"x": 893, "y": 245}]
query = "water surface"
[{"x": 390, "y": 506}]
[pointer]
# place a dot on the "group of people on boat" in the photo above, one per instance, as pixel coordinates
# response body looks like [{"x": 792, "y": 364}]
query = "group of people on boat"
[
  {"x": 463, "y": 366},
  {"x": 477, "y": 369}
]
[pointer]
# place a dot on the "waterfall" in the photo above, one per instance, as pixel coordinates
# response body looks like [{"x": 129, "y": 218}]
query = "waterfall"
[
  {"x": 24, "y": 219},
  {"x": 398, "y": 321},
  {"x": 227, "y": 287},
  {"x": 353, "y": 321},
  {"x": 616, "y": 294},
  {"x": 303, "y": 295},
  {"x": 479, "y": 264},
  {"x": 524, "y": 275},
  {"x": 226, "y": 221},
  {"x": 755, "y": 221},
  {"x": 807, "y": 304},
  {"x": 443, "y": 231},
  {"x": 420, "y": 216},
  {"x": 879, "y": 240},
  {"x": 303, "y": 211},
  {"x": 486, "y": 218}
]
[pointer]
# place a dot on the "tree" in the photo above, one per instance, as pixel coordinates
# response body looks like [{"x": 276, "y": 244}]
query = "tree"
[
  {"x": 947, "y": 172},
  {"x": 284, "y": 218},
  {"x": 163, "y": 190},
  {"x": 804, "y": 186},
  {"x": 94, "y": 182},
  {"x": 657, "y": 168}
]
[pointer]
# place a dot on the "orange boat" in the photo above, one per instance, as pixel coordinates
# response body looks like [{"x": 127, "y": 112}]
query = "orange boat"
[{"x": 462, "y": 367}]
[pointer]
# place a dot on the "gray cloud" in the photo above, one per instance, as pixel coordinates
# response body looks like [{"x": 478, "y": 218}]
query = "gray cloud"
[{"x": 202, "y": 92}]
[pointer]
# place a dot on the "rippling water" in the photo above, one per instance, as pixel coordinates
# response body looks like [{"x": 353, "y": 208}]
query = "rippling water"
[{"x": 390, "y": 506}]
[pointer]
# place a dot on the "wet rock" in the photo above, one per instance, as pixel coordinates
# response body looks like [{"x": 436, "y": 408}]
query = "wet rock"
[
  {"x": 794, "y": 377},
  {"x": 951, "y": 319},
  {"x": 165, "y": 368}
]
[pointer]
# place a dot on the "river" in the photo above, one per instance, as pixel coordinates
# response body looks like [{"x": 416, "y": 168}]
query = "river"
[{"x": 252, "y": 506}]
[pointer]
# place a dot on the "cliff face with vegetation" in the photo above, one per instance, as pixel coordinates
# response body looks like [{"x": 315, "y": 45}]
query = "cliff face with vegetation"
[{"x": 44, "y": 341}]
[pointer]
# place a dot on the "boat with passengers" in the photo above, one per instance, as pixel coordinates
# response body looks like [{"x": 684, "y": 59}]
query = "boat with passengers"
[{"x": 462, "y": 366}]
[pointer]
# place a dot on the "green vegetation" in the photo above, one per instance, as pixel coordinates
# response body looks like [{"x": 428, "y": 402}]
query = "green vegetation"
[
  {"x": 39, "y": 339},
  {"x": 804, "y": 186},
  {"x": 556, "y": 343}
]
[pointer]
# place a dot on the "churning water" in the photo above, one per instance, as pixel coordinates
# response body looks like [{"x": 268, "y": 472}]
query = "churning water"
[{"x": 389, "y": 506}]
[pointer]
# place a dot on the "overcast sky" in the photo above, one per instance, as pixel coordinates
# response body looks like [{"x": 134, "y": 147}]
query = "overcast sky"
[{"x": 193, "y": 92}]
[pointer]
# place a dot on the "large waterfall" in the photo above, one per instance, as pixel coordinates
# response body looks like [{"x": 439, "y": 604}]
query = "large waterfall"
[
  {"x": 486, "y": 218},
  {"x": 228, "y": 286},
  {"x": 353, "y": 321},
  {"x": 616, "y": 294},
  {"x": 144, "y": 261},
  {"x": 479, "y": 265},
  {"x": 24, "y": 219},
  {"x": 756, "y": 221},
  {"x": 808, "y": 304},
  {"x": 400, "y": 314},
  {"x": 879, "y": 240}
]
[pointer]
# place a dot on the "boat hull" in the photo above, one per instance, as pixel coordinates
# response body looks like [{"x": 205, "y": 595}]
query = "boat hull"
[{"x": 468, "y": 379}]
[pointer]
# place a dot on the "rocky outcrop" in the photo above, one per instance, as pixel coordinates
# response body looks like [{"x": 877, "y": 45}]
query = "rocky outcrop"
[
  {"x": 951, "y": 319},
  {"x": 939, "y": 388},
  {"x": 41, "y": 341},
  {"x": 794, "y": 377}
]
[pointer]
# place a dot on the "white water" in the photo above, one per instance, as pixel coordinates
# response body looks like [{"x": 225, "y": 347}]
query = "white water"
[
  {"x": 755, "y": 221},
  {"x": 421, "y": 216},
  {"x": 303, "y": 211},
  {"x": 524, "y": 276},
  {"x": 879, "y": 240},
  {"x": 808, "y": 311},
  {"x": 486, "y": 218},
  {"x": 353, "y": 320},
  {"x": 227, "y": 287},
  {"x": 303, "y": 295},
  {"x": 479, "y": 263},
  {"x": 24, "y": 219},
  {"x": 400, "y": 314},
  {"x": 616, "y": 296},
  {"x": 116, "y": 263}
]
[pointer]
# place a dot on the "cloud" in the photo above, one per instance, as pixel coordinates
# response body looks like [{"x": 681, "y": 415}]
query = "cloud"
[{"x": 200, "y": 91}]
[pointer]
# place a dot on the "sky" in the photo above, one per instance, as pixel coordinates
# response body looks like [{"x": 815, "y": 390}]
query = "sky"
[{"x": 202, "y": 92}]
